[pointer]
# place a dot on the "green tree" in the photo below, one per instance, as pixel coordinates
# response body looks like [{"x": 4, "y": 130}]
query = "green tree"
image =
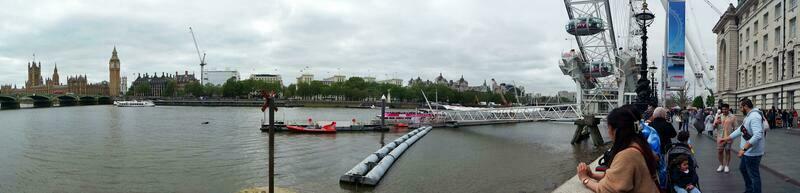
[
  {"x": 194, "y": 89},
  {"x": 142, "y": 89},
  {"x": 698, "y": 102},
  {"x": 680, "y": 99},
  {"x": 212, "y": 90},
  {"x": 710, "y": 101},
  {"x": 356, "y": 83},
  {"x": 170, "y": 89},
  {"x": 290, "y": 90},
  {"x": 131, "y": 91},
  {"x": 231, "y": 88}
]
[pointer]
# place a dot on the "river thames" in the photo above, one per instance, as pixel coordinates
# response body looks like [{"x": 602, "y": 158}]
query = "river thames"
[{"x": 167, "y": 149}]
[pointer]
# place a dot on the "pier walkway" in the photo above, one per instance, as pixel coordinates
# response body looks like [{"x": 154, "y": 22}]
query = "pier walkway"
[
  {"x": 486, "y": 116},
  {"x": 780, "y": 168}
]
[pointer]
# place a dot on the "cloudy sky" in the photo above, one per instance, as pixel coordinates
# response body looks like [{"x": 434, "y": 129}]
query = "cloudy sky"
[{"x": 509, "y": 40}]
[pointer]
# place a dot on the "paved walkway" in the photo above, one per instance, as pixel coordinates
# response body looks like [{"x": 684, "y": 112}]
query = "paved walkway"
[{"x": 780, "y": 166}]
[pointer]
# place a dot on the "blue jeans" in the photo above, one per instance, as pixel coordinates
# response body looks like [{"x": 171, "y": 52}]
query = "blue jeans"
[
  {"x": 678, "y": 189},
  {"x": 752, "y": 178}
]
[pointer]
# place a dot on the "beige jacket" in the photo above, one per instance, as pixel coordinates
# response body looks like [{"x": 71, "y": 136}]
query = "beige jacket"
[{"x": 628, "y": 173}]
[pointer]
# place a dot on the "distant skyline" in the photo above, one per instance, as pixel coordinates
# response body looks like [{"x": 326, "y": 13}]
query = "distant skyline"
[{"x": 512, "y": 41}]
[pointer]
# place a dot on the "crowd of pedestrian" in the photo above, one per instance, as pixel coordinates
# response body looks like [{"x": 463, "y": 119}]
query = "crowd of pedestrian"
[{"x": 630, "y": 160}]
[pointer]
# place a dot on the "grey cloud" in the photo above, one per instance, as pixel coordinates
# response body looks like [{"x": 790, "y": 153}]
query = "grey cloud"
[{"x": 512, "y": 41}]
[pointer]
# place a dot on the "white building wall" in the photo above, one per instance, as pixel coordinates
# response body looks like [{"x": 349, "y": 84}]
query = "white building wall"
[{"x": 219, "y": 77}]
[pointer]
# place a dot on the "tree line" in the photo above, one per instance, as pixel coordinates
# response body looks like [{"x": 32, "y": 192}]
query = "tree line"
[{"x": 353, "y": 89}]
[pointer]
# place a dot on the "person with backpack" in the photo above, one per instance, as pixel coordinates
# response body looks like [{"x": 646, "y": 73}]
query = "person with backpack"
[
  {"x": 752, "y": 145},
  {"x": 664, "y": 129},
  {"x": 633, "y": 166}
]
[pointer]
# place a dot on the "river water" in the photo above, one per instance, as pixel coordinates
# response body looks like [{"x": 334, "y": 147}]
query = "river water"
[{"x": 167, "y": 149}]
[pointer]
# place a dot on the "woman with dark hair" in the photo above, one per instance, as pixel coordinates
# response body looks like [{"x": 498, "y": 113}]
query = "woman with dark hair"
[{"x": 633, "y": 165}]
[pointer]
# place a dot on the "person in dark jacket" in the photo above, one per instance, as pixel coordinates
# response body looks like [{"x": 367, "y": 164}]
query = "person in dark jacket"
[
  {"x": 683, "y": 176},
  {"x": 665, "y": 130},
  {"x": 771, "y": 118},
  {"x": 785, "y": 118}
]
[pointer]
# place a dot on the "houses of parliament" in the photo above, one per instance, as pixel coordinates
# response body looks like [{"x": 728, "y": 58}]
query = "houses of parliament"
[{"x": 76, "y": 85}]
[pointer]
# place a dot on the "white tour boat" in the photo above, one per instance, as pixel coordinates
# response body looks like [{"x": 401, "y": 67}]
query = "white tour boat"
[{"x": 135, "y": 104}]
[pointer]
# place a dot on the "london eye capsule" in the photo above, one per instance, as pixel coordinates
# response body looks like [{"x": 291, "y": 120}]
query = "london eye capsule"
[
  {"x": 600, "y": 69},
  {"x": 584, "y": 26}
]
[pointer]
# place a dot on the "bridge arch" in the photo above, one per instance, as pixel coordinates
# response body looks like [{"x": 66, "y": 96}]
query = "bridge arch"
[
  {"x": 8, "y": 102},
  {"x": 88, "y": 100},
  {"x": 105, "y": 100},
  {"x": 7, "y": 98},
  {"x": 40, "y": 101},
  {"x": 67, "y": 100}
]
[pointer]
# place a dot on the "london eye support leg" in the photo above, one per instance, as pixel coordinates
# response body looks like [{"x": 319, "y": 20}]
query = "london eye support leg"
[{"x": 589, "y": 122}]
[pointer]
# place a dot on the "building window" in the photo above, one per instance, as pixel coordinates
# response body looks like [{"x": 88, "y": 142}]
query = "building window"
[
  {"x": 763, "y": 73},
  {"x": 778, "y": 11},
  {"x": 755, "y": 27},
  {"x": 755, "y": 48},
  {"x": 747, "y": 53},
  {"x": 792, "y": 27},
  {"x": 742, "y": 59},
  {"x": 791, "y": 59},
  {"x": 766, "y": 39},
  {"x": 766, "y": 20},
  {"x": 778, "y": 37},
  {"x": 753, "y": 76},
  {"x": 747, "y": 35},
  {"x": 792, "y": 3},
  {"x": 776, "y": 69}
]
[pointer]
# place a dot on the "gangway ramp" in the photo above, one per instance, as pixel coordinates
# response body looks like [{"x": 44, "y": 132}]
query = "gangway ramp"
[{"x": 488, "y": 116}]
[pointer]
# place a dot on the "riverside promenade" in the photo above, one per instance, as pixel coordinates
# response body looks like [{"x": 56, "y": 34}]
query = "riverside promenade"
[{"x": 780, "y": 166}]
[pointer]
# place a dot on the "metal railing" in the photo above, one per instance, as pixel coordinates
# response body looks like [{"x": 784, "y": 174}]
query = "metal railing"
[{"x": 568, "y": 112}]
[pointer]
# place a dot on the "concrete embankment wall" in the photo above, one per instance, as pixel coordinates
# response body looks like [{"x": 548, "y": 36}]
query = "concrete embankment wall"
[{"x": 574, "y": 185}]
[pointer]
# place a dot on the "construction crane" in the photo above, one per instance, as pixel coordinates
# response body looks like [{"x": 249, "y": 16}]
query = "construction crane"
[{"x": 202, "y": 58}]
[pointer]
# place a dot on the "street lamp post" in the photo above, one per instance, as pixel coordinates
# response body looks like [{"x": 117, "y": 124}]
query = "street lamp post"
[
  {"x": 643, "y": 91},
  {"x": 654, "y": 95}
]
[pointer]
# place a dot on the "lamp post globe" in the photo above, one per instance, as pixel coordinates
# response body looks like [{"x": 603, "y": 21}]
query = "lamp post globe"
[{"x": 643, "y": 85}]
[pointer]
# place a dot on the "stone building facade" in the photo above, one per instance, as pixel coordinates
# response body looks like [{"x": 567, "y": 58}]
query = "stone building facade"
[
  {"x": 36, "y": 85},
  {"x": 461, "y": 85},
  {"x": 183, "y": 79},
  {"x": 757, "y": 48},
  {"x": 77, "y": 85},
  {"x": 158, "y": 84}
]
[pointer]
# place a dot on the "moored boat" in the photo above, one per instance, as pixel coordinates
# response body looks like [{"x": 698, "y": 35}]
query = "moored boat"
[{"x": 329, "y": 128}]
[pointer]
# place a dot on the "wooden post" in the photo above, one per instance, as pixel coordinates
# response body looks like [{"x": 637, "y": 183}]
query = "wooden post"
[
  {"x": 383, "y": 118},
  {"x": 271, "y": 101}
]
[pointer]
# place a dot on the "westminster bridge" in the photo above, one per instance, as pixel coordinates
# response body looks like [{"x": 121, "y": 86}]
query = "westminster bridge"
[{"x": 47, "y": 100}]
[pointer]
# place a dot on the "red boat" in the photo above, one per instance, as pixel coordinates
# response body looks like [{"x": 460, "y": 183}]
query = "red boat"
[{"x": 329, "y": 128}]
